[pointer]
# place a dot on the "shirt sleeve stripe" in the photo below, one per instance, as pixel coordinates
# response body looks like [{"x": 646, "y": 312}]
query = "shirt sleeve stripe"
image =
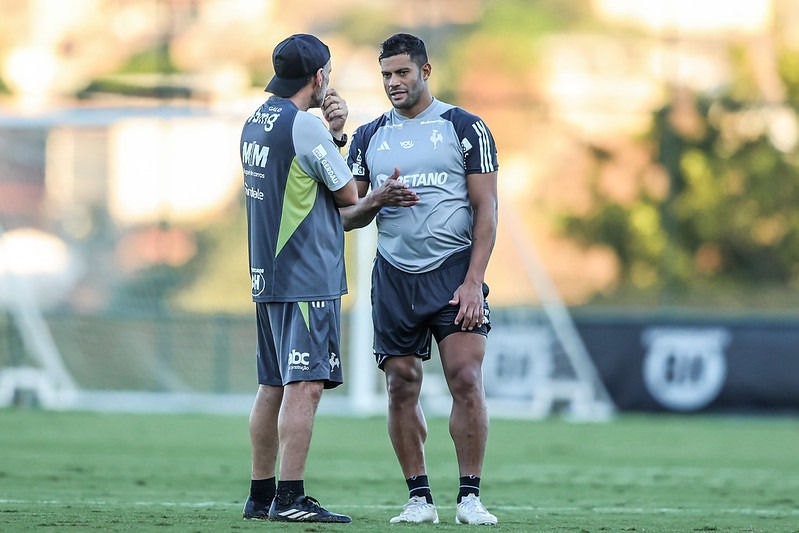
[{"x": 485, "y": 146}]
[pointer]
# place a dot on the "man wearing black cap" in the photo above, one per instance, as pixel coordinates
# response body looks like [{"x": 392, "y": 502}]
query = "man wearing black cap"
[{"x": 295, "y": 180}]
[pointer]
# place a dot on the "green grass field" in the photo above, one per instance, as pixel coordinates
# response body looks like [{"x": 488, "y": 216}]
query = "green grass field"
[{"x": 117, "y": 472}]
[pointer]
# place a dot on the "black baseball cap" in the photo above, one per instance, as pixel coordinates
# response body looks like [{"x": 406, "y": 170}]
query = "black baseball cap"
[{"x": 295, "y": 59}]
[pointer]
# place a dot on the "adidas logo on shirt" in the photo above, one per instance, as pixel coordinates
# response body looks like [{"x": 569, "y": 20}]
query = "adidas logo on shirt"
[{"x": 383, "y": 147}]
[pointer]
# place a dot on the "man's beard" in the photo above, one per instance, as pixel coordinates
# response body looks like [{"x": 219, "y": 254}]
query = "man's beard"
[
  {"x": 318, "y": 98},
  {"x": 411, "y": 99}
]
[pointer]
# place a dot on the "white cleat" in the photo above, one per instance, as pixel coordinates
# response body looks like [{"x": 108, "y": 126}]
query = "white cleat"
[
  {"x": 417, "y": 511},
  {"x": 472, "y": 511}
]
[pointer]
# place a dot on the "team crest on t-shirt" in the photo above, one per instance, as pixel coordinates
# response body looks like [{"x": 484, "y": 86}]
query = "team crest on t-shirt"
[{"x": 436, "y": 138}]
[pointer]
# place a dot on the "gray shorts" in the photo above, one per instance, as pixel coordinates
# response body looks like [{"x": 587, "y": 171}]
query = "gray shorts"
[
  {"x": 299, "y": 341},
  {"x": 409, "y": 309}
]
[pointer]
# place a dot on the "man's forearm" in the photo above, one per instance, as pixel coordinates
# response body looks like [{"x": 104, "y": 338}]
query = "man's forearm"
[
  {"x": 359, "y": 215},
  {"x": 484, "y": 235}
]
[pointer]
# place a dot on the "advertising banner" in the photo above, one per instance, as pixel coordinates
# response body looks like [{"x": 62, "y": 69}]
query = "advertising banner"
[{"x": 689, "y": 365}]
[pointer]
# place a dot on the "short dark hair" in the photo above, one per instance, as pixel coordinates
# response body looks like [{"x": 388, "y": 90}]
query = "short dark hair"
[{"x": 404, "y": 43}]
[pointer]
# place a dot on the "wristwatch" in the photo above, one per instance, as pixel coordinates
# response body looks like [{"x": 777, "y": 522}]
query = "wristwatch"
[{"x": 341, "y": 143}]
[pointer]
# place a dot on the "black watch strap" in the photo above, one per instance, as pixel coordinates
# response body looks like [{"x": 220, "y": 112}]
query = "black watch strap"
[{"x": 341, "y": 143}]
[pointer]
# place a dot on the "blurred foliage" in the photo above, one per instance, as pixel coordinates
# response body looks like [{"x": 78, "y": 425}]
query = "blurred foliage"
[
  {"x": 148, "y": 289},
  {"x": 788, "y": 68},
  {"x": 222, "y": 283},
  {"x": 156, "y": 60},
  {"x": 506, "y": 36},
  {"x": 729, "y": 217},
  {"x": 158, "y": 286},
  {"x": 366, "y": 26},
  {"x": 132, "y": 88}
]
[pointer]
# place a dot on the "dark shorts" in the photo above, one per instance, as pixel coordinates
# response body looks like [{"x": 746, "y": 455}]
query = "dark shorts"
[
  {"x": 299, "y": 341},
  {"x": 409, "y": 309}
]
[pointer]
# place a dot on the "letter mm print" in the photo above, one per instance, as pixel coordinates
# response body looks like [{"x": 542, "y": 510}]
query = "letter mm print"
[{"x": 254, "y": 154}]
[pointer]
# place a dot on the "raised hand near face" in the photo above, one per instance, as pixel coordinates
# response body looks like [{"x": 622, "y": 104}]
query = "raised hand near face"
[{"x": 335, "y": 111}]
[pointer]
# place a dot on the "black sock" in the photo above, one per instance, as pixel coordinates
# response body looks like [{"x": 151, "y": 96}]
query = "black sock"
[
  {"x": 287, "y": 491},
  {"x": 469, "y": 485},
  {"x": 262, "y": 490},
  {"x": 419, "y": 486}
]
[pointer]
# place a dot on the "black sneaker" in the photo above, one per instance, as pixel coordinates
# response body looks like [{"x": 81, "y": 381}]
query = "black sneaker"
[
  {"x": 304, "y": 509},
  {"x": 255, "y": 510}
]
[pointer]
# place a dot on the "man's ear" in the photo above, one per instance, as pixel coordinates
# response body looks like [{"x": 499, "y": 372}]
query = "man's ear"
[{"x": 426, "y": 69}]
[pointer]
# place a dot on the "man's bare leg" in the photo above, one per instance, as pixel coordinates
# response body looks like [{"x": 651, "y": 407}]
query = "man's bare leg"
[
  {"x": 407, "y": 426},
  {"x": 295, "y": 426},
  {"x": 263, "y": 431},
  {"x": 462, "y": 358},
  {"x": 408, "y": 431}
]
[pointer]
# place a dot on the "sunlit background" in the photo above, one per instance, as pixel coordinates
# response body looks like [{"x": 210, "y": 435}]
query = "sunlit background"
[{"x": 648, "y": 154}]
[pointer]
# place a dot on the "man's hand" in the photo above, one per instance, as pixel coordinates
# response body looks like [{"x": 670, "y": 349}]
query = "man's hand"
[
  {"x": 394, "y": 192},
  {"x": 469, "y": 296},
  {"x": 335, "y": 111}
]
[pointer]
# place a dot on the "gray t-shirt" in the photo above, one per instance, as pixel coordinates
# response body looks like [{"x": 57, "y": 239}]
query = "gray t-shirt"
[
  {"x": 296, "y": 238},
  {"x": 434, "y": 151}
]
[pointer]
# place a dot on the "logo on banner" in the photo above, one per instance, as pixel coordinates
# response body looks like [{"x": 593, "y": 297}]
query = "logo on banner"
[
  {"x": 684, "y": 369},
  {"x": 519, "y": 362}
]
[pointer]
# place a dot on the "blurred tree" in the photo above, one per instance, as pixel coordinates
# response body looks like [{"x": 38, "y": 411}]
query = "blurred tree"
[
  {"x": 153, "y": 61},
  {"x": 366, "y": 26},
  {"x": 729, "y": 216},
  {"x": 502, "y": 46},
  {"x": 491, "y": 67},
  {"x": 219, "y": 273}
]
